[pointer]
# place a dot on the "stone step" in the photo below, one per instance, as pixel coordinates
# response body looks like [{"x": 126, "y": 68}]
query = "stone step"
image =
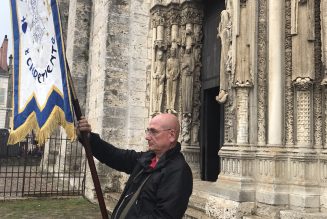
[
  {"x": 196, "y": 208},
  {"x": 254, "y": 217},
  {"x": 192, "y": 213},
  {"x": 111, "y": 200},
  {"x": 198, "y": 203}
]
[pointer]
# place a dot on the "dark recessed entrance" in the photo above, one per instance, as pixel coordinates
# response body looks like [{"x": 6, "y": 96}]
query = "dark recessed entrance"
[{"x": 211, "y": 111}]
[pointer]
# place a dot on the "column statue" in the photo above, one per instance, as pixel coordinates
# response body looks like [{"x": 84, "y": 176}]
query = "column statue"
[
  {"x": 158, "y": 80},
  {"x": 225, "y": 35},
  {"x": 187, "y": 69},
  {"x": 172, "y": 75},
  {"x": 303, "y": 36},
  {"x": 243, "y": 44}
]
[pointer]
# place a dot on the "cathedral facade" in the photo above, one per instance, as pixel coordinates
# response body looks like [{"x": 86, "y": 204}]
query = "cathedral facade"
[{"x": 246, "y": 78}]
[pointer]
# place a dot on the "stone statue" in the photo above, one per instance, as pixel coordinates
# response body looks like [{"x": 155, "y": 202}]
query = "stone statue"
[
  {"x": 323, "y": 15},
  {"x": 303, "y": 36},
  {"x": 243, "y": 45},
  {"x": 158, "y": 81},
  {"x": 186, "y": 126},
  {"x": 225, "y": 35},
  {"x": 172, "y": 76},
  {"x": 187, "y": 69}
]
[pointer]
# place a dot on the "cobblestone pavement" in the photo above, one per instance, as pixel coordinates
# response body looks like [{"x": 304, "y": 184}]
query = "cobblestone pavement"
[{"x": 47, "y": 208}]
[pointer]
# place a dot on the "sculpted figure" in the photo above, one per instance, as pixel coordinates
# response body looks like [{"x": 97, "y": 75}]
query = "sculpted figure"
[
  {"x": 172, "y": 76},
  {"x": 225, "y": 35},
  {"x": 186, "y": 126},
  {"x": 243, "y": 45},
  {"x": 158, "y": 82},
  {"x": 187, "y": 69},
  {"x": 302, "y": 30}
]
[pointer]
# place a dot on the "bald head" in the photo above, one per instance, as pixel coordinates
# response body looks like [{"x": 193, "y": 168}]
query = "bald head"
[{"x": 167, "y": 121}]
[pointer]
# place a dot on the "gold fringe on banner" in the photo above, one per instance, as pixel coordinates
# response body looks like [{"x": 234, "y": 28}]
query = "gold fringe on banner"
[{"x": 57, "y": 117}]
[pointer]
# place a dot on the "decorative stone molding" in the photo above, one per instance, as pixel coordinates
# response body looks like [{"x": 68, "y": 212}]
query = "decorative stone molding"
[
  {"x": 271, "y": 169},
  {"x": 262, "y": 71},
  {"x": 289, "y": 90},
  {"x": 303, "y": 112},
  {"x": 303, "y": 170},
  {"x": 242, "y": 117},
  {"x": 234, "y": 166}
]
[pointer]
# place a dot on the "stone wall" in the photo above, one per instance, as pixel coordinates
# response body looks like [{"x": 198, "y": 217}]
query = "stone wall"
[{"x": 116, "y": 83}]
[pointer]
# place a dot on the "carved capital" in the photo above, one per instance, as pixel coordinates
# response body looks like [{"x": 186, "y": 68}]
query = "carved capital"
[
  {"x": 160, "y": 44},
  {"x": 157, "y": 16},
  {"x": 303, "y": 83},
  {"x": 191, "y": 15},
  {"x": 242, "y": 84},
  {"x": 173, "y": 16}
]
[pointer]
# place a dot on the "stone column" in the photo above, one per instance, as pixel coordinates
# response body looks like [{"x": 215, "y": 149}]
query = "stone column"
[
  {"x": 271, "y": 163},
  {"x": 276, "y": 68},
  {"x": 236, "y": 179}
]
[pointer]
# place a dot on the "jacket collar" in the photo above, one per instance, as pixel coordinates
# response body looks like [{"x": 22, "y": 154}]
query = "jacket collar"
[{"x": 145, "y": 159}]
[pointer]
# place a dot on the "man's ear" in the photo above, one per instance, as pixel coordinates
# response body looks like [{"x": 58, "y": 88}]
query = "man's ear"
[{"x": 172, "y": 136}]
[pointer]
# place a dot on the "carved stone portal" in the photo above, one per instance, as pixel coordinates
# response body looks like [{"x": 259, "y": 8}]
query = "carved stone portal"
[{"x": 177, "y": 35}]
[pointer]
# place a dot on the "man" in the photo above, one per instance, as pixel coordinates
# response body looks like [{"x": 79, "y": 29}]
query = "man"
[{"x": 161, "y": 174}]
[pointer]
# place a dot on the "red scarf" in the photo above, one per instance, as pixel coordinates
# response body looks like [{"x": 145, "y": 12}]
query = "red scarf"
[{"x": 153, "y": 162}]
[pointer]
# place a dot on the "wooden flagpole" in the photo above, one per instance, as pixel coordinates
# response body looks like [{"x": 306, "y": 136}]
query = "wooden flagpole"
[{"x": 87, "y": 146}]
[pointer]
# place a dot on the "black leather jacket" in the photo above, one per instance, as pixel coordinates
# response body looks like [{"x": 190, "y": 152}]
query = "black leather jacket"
[{"x": 164, "y": 195}]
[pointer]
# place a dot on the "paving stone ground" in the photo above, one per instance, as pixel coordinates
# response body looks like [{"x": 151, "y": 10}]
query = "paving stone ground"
[{"x": 47, "y": 208}]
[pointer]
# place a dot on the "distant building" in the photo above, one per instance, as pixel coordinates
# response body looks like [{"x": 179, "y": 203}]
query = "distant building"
[{"x": 5, "y": 85}]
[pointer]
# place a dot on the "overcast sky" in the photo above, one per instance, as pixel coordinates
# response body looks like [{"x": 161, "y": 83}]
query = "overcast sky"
[{"x": 5, "y": 23}]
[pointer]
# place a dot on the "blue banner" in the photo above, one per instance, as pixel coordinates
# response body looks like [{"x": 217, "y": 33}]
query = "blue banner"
[{"x": 41, "y": 98}]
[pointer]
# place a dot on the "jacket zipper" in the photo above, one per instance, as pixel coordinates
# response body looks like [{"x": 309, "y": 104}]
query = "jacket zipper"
[{"x": 121, "y": 203}]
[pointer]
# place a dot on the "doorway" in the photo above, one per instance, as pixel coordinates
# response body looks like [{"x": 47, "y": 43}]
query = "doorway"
[{"x": 212, "y": 122}]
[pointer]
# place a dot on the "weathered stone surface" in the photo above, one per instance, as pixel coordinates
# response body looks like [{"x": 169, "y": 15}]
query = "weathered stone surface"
[{"x": 273, "y": 161}]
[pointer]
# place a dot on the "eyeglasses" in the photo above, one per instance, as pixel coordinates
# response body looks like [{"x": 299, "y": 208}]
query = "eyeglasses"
[{"x": 154, "y": 132}]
